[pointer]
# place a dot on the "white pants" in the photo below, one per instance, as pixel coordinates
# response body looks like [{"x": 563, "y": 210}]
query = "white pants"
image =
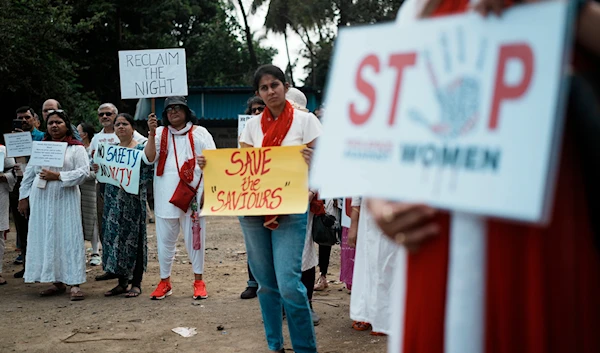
[{"x": 167, "y": 232}]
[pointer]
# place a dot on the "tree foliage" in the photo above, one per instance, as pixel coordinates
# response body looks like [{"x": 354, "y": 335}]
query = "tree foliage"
[
  {"x": 316, "y": 22},
  {"x": 67, "y": 50}
]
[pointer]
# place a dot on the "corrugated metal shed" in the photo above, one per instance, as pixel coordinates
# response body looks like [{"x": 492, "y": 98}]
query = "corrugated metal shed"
[{"x": 216, "y": 103}]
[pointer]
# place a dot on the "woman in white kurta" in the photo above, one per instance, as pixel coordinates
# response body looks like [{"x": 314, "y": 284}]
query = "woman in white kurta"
[
  {"x": 373, "y": 273},
  {"x": 55, "y": 249},
  {"x": 7, "y": 182},
  {"x": 174, "y": 137}
]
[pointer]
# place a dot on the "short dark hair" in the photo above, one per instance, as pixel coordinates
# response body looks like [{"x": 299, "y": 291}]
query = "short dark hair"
[
  {"x": 127, "y": 117},
  {"x": 63, "y": 115},
  {"x": 89, "y": 130},
  {"x": 268, "y": 70},
  {"x": 25, "y": 109},
  {"x": 253, "y": 100}
]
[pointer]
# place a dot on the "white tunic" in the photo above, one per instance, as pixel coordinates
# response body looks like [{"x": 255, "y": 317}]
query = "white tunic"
[
  {"x": 5, "y": 189},
  {"x": 309, "y": 254},
  {"x": 165, "y": 185},
  {"x": 374, "y": 265},
  {"x": 55, "y": 247},
  {"x": 305, "y": 128}
]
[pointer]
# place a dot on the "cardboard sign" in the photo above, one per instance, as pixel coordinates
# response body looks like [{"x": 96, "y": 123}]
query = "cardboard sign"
[
  {"x": 18, "y": 144},
  {"x": 255, "y": 181},
  {"x": 119, "y": 166},
  {"x": 242, "y": 119},
  {"x": 153, "y": 73},
  {"x": 48, "y": 154},
  {"x": 466, "y": 116}
]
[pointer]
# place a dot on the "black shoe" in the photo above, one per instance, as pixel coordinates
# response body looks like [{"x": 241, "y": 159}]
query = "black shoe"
[
  {"x": 249, "y": 293},
  {"x": 106, "y": 276},
  {"x": 19, "y": 274}
]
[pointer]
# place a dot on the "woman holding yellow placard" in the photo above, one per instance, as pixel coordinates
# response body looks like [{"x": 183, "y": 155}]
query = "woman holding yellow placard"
[{"x": 275, "y": 243}]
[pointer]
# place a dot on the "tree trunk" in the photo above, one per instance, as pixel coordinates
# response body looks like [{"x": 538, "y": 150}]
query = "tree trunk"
[
  {"x": 287, "y": 49},
  {"x": 249, "y": 42}
]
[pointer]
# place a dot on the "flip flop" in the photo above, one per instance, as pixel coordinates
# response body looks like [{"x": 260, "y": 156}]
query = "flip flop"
[
  {"x": 2, "y": 281},
  {"x": 361, "y": 326},
  {"x": 53, "y": 290},
  {"x": 133, "y": 293},
  {"x": 115, "y": 291},
  {"x": 76, "y": 294},
  {"x": 373, "y": 333}
]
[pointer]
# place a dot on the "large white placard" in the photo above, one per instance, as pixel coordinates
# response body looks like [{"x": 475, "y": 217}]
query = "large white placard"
[
  {"x": 48, "y": 154},
  {"x": 153, "y": 73},
  {"x": 18, "y": 144},
  {"x": 466, "y": 115},
  {"x": 119, "y": 166},
  {"x": 242, "y": 119}
]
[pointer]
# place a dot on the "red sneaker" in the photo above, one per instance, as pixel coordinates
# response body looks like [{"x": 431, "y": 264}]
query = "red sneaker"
[
  {"x": 200, "y": 290},
  {"x": 162, "y": 291}
]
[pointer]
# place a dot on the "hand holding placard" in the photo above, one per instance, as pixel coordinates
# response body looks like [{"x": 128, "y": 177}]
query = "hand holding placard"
[{"x": 255, "y": 181}]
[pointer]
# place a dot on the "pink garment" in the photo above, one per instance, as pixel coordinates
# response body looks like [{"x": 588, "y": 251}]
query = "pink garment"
[{"x": 347, "y": 260}]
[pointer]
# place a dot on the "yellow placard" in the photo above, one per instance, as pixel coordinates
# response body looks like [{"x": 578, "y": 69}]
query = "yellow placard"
[{"x": 255, "y": 181}]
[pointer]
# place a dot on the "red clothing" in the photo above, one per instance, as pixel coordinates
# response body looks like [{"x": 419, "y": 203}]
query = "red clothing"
[{"x": 543, "y": 284}]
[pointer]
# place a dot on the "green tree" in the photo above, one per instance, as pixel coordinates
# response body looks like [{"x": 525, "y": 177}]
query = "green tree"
[{"x": 67, "y": 50}]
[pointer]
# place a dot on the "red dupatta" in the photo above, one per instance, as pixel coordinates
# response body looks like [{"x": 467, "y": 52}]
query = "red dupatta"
[{"x": 274, "y": 131}]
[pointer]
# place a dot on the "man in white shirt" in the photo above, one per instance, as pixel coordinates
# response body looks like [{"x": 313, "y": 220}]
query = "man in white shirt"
[{"x": 107, "y": 113}]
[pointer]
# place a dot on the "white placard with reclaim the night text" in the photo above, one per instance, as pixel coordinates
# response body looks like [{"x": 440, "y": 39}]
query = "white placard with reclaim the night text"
[{"x": 153, "y": 73}]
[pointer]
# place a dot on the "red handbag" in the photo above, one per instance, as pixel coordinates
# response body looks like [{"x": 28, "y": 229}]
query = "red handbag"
[{"x": 184, "y": 193}]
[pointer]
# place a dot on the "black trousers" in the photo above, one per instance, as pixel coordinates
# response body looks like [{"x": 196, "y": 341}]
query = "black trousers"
[
  {"x": 308, "y": 279},
  {"x": 324, "y": 254}
]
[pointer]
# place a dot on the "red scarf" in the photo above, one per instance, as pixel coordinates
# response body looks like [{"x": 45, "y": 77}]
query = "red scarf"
[
  {"x": 274, "y": 131},
  {"x": 68, "y": 139},
  {"x": 164, "y": 143},
  {"x": 317, "y": 207}
]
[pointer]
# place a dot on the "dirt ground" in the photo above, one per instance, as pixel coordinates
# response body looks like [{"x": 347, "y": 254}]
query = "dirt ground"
[{"x": 29, "y": 323}]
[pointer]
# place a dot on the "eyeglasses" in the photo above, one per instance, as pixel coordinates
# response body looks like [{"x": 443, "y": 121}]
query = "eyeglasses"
[
  {"x": 101, "y": 114},
  {"x": 52, "y": 111},
  {"x": 174, "y": 109},
  {"x": 122, "y": 124},
  {"x": 258, "y": 110}
]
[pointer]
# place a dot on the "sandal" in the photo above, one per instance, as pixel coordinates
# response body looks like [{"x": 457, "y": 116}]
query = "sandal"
[
  {"x": 2, "y": 281},
  {"x": 373, "y": 333},
  {"x": 134, "y": 292},
  {"x": 106, "y": 276},
  {"x": 321, "y": 284},
  {"x": 115, "y": 291},
  {"x": 361, "y": 326},
  {"x": 53, "y": 290},
  {"x": 76, "y": 294}
]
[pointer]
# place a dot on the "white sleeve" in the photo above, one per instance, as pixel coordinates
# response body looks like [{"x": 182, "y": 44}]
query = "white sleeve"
[
  {"x": 27, "y": 182},
  {"x": 81, "y": 168},
  {"x": 94, "y": 144},
  {"x": 208, "y": 142},
  {"x": 312, "y": 128},
  {"x": 157, "y": 139},
  {"x": 9, "y": 162},
  {"x": 247, "y": 136},
  {"x": 356, "y": 201}
]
